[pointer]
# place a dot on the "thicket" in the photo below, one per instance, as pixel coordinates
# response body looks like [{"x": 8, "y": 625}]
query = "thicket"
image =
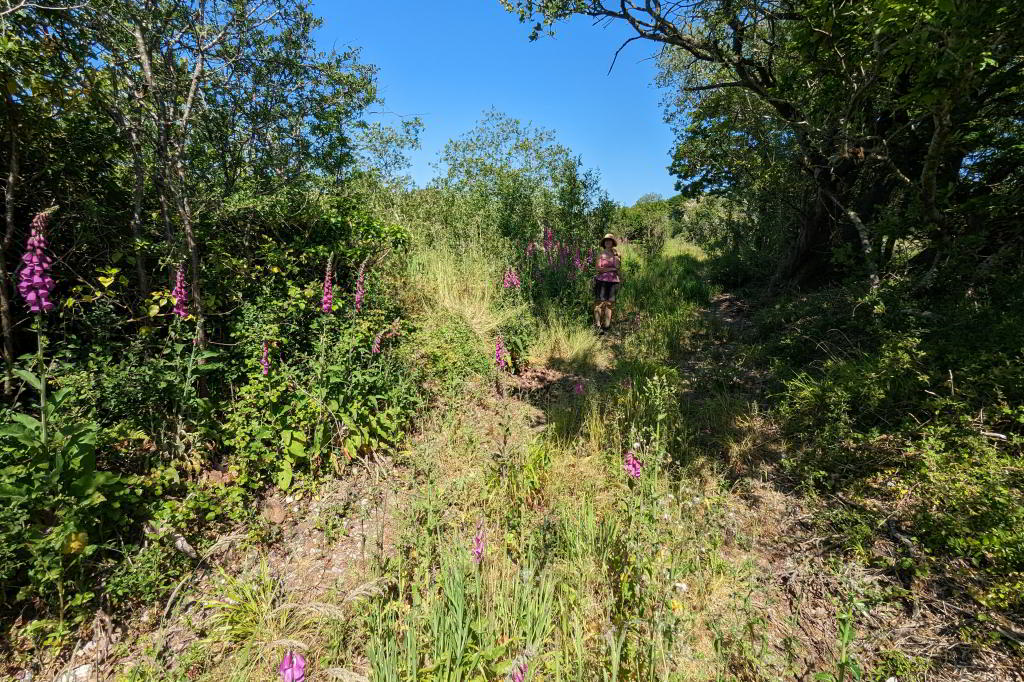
[
  {"x": 245, "y": 295},
  {"x": 856, "y": 167},
  {"x": 227, "y": 310}
]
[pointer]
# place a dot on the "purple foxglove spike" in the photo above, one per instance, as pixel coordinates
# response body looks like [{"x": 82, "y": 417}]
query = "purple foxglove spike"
[
  {"x": 578, "y": 389},
  {"x": 479, "y": 544},
  {"x": 327, "y": 302},
  {"x": 360, "y": 290},
  {"x": 34, "y": 282},
  {"x": 499, "y": 353},
  {"x": 375, "y": 348},
  {"x": 265, "y": 360},
  {"x": 519, "y": 674},
  {"x": 180, "y": 294},
  {"x": 632, "y": 465},
  {"x": 292, "y": 667}
]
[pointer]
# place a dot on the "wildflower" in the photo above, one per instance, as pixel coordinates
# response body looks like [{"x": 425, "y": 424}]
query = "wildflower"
[
  {"x": 265, "y": 360},
  {"x": 511, "y": 280},
  {"x": 326, "y": 303},
  {"x": 180, "y": 294},
  {"x": 627, "y": 383},
  {"x": 632, "y": 465},
  {"x": 549, "y": 239},
  {"x": 530, "y": 248},
  {"x": 479, "y": 544},
  {"x": 500, "y": 353},
  {"x": 35, "y": 283},
  {"x": 519, "y": 674},
  {"x": 292, "y": 667},
  {"x": 75, "y": 543},
  {"x": 590, "y": 256},
  {"x": 578, "y": 388},
  {"x": 360, "y": 291},
  {"x": 576, "y": 261},
  {"x": 375, "y": 348}
]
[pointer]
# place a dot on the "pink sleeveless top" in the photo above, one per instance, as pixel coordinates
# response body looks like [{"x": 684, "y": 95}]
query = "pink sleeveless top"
[{"x": 604, "y": 261}]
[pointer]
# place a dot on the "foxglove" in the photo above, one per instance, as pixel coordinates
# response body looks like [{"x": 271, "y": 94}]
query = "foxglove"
[
  {"x": 511, "y": 279},
  {"x": 519, "y": 674},
  {"x": 265, "y": 360},
  {"x": 180, "y": 294},
  {"x": 479, "y": 544},
  {"x": 530, "y": 248},
  {"x": 500, "y": 353},
  {"x": 375, "y": 348},
  {"x": 632, "y": 465},
  {"x": 360, "y": 291},
  {"x": 576, "y": 261},
  {"x": 578, "y": 388},
  {"x": 549, "y": 239},
  {"x": 327, "y": 302},
  {"x": 34, "y": 283},
  {"x": 292, "y": 667}
]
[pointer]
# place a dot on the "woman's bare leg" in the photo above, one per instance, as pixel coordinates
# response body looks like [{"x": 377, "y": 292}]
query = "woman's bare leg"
[
  {"x": 598, "y": 309},
  {"x": 607, "y": 314}
]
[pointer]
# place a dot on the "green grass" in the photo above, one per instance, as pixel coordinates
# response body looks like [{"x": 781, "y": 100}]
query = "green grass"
[{"x": 587, "y": 574}]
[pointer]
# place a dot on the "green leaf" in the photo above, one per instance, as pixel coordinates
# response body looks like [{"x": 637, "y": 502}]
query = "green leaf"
[
  {"x": 28, "y": 421},
  {"x": 284, "y": 475},
  {"x": 29, "y": 378}
]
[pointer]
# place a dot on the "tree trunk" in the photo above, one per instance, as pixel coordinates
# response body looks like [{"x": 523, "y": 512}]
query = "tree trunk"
[
  {"x": 137, "y": 194},
  {"x": 808, "y": 258}
]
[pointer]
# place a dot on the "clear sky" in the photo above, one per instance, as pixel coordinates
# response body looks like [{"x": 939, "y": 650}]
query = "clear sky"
[{"x": 447, "y": 61}]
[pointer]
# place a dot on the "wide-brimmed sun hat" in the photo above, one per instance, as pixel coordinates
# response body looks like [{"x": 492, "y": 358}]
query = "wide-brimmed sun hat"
[{"x": 615, "y": 242}]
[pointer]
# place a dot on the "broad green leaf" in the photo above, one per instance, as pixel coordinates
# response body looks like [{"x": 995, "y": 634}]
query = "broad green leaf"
[
  {"x": 284, "y": 475},
  {"x": 29, "y": 378}
]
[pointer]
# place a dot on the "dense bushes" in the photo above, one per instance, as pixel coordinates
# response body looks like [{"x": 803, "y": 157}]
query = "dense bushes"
[
  {"x": 895, "y": 397},
  {"x": 152, "y": 430}
]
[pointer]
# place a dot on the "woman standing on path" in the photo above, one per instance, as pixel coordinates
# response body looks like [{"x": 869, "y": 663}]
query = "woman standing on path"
[{"x": 606, "y": 283}]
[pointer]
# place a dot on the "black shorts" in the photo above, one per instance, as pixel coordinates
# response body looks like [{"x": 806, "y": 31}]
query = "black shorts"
[{"x": 605, "y": 291}]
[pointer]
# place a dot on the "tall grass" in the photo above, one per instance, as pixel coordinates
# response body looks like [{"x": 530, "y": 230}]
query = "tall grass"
[{"x": 465, "y": 282}]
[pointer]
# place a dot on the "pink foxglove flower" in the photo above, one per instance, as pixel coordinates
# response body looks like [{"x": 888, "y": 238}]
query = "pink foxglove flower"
[
  {"x": 180, "y": 294},
  {"x": 519, "y": 674},
  {"x": 549, "y": 239},
  {"x": 34, "y": 282},
  {"x": 530, "y": 248},
  {"x": 578, "y": 388},
  {"x": 576, "y": 261},
  {"x": 360, "y": 291},
  {"x": 265, "y": 360},
  {"x": 375, "y": 348},
  {"x": 479, "y": 544},
  {"x": 292, "y": 667},
  {"x": 511, "y": 279},
  {"x": 632, "y": 465},
  {"x": 500, "y": 353},
  {"x": 327, "y": 302}
]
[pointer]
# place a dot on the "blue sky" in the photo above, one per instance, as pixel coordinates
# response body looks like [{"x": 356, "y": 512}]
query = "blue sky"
[{"x": 447, "y": 61}]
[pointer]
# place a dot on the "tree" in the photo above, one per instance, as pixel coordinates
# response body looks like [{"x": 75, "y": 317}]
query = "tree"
[{"x": 877, "y": 98}]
